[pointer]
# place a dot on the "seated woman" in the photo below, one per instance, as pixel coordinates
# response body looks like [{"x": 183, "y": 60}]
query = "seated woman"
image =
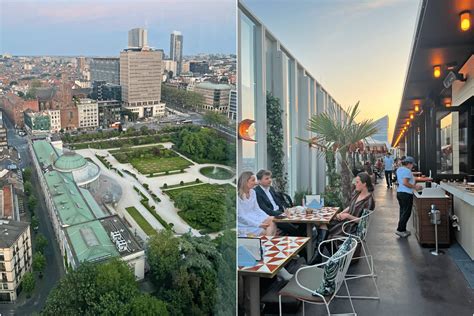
[
  {"x": 361, "y": 200},
  {"x": 250, "y": 217}
]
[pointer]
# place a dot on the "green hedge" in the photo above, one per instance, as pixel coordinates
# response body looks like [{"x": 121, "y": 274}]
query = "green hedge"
[
  {"x": 141, "y": 221},
  {"x": 153, "y": 212}
]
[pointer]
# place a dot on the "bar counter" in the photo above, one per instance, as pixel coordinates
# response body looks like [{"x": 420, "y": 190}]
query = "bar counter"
[{"x": 463, "y": 208}]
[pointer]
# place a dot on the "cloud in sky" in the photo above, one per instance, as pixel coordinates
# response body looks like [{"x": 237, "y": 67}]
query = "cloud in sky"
[{"x": 205, "y": 24}]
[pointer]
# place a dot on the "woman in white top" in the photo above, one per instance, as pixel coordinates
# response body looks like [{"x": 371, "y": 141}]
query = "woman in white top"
[{"x": 251, "y": 218}]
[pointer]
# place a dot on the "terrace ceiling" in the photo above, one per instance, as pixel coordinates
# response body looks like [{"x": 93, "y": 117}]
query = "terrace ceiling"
[{"x": 438, "y": 41}]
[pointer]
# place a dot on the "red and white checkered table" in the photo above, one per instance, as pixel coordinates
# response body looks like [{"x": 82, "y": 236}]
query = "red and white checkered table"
[{"x": 277, "y": 251}]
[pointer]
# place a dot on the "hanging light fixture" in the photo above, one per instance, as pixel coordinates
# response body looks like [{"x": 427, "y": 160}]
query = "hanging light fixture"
[
  {"x": 247, "y": 130},
  {"x": 465, "y": 20},
  {"x": 417, "y": 108},
  {"x": 436, "y": 71},
  {"x": 447, "y": 102},
  {"x": 411, "y": 116}
]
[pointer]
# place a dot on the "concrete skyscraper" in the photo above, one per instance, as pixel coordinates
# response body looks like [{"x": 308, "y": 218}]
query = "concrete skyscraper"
[
  {"x": 176, "y": 49},
  {"x": 137, "y": 37},
  {"x": 140, "y": 78}
]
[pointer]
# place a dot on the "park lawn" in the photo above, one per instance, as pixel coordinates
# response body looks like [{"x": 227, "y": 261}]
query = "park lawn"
[
  {"x": 141, "y": 221},
  {"x": 157, "y": 164}
]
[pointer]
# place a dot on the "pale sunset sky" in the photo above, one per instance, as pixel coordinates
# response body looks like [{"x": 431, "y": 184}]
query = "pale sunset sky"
[
  {"x": 357, "y": 49},
  {"x": 100, "y": 27}
]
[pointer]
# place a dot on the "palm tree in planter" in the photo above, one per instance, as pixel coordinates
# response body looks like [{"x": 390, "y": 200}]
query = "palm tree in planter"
[{"x": 341, "y": 137}]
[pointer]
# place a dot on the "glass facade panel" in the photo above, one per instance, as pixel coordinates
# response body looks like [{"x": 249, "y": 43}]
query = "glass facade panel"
[
  {"x": 248, "y": 87},
  {"x": 449, "y": 144}
]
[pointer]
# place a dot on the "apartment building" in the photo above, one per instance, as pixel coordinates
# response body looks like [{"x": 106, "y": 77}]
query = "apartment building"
[{"x": 15, "y": 257}]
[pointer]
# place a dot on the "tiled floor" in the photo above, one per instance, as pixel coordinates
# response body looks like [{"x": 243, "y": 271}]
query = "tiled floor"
[{"x": 411, "y": 280}]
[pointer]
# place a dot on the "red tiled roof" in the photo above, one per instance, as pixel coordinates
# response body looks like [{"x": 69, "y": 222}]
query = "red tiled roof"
[{"x": 7, "y": 202}]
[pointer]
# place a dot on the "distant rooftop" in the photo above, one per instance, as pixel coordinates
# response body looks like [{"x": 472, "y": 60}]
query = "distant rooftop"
[
  {"x": 10, "y": 231},
  {"x": 213, "y": 86}
]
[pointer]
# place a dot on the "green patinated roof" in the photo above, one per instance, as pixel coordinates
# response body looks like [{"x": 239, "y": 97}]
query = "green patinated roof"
[
  {"x": 98, "y": 212},
  {"x": 70, "y": 161},
  {"x": 44, "y": 152},
  {"x": 90, "y": 242},
  {"x": 68, "y": 199}
]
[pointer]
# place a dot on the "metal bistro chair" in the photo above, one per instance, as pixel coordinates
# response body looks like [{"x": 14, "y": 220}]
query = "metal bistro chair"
[
  {"x": 360, "y": 235},
  {"x": 320, "y": 283}
]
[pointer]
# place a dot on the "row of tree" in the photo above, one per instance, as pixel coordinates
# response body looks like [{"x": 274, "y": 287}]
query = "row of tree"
[
  {"x": 181, "y": 98},
  {"x": 126, "y": 154},
  {"x": 40, "y": 241}
]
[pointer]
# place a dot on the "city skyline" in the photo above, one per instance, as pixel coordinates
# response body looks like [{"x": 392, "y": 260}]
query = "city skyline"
[
  {"x": 358, "y": 50},
  {"x": 86, "y": 28}
]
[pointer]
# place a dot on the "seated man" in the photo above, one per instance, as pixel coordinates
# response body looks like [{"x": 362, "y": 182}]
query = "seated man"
[
  {"x": 267, "y": 197},
  {"x": 269, "y": 201}
]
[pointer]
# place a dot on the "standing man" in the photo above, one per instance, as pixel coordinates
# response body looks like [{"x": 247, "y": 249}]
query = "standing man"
[
  {"x": 388, "y": 167},
  {"x": 406, "y": 186}
]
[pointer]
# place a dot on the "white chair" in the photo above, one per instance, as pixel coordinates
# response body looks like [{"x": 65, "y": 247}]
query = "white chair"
[
  {"x": 320, "y": 283},
  {"x": 360, "y": 234}
]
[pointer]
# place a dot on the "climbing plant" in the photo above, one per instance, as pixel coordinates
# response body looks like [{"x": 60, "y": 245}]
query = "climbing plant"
[
  {"x": 275, "y": 140},
  {"x": 333, "y": 193}
]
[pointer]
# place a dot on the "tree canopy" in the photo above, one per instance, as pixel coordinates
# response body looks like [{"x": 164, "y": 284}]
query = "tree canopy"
[
  {"x": 180, "y": 97},
  {"x": 214, "y": 118},
  {"x": 191, "y": 274},
  {"x": 101, "y": 289},
  {"x": 205, "y": 145}
]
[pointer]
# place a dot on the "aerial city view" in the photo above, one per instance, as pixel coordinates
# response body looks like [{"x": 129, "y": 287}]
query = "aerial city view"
[
  {"x": 236, "y": 157},
  {"x": 117, "y": 181}
]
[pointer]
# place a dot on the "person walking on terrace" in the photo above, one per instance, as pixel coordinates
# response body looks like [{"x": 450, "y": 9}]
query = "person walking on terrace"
[
  {"x": 406, "y": 185},
  {"x": 388, "y": 167}
]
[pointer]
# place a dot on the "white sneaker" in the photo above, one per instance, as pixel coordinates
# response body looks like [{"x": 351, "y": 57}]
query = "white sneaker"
[
  {"x": 399, "y": 233},
  {"x": 407, "y": 232}
]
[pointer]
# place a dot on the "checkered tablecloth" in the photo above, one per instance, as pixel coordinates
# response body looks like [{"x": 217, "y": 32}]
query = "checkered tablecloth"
[
  {"x": 323, "y": 215},
  {"x": 276, "y": 253}
]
